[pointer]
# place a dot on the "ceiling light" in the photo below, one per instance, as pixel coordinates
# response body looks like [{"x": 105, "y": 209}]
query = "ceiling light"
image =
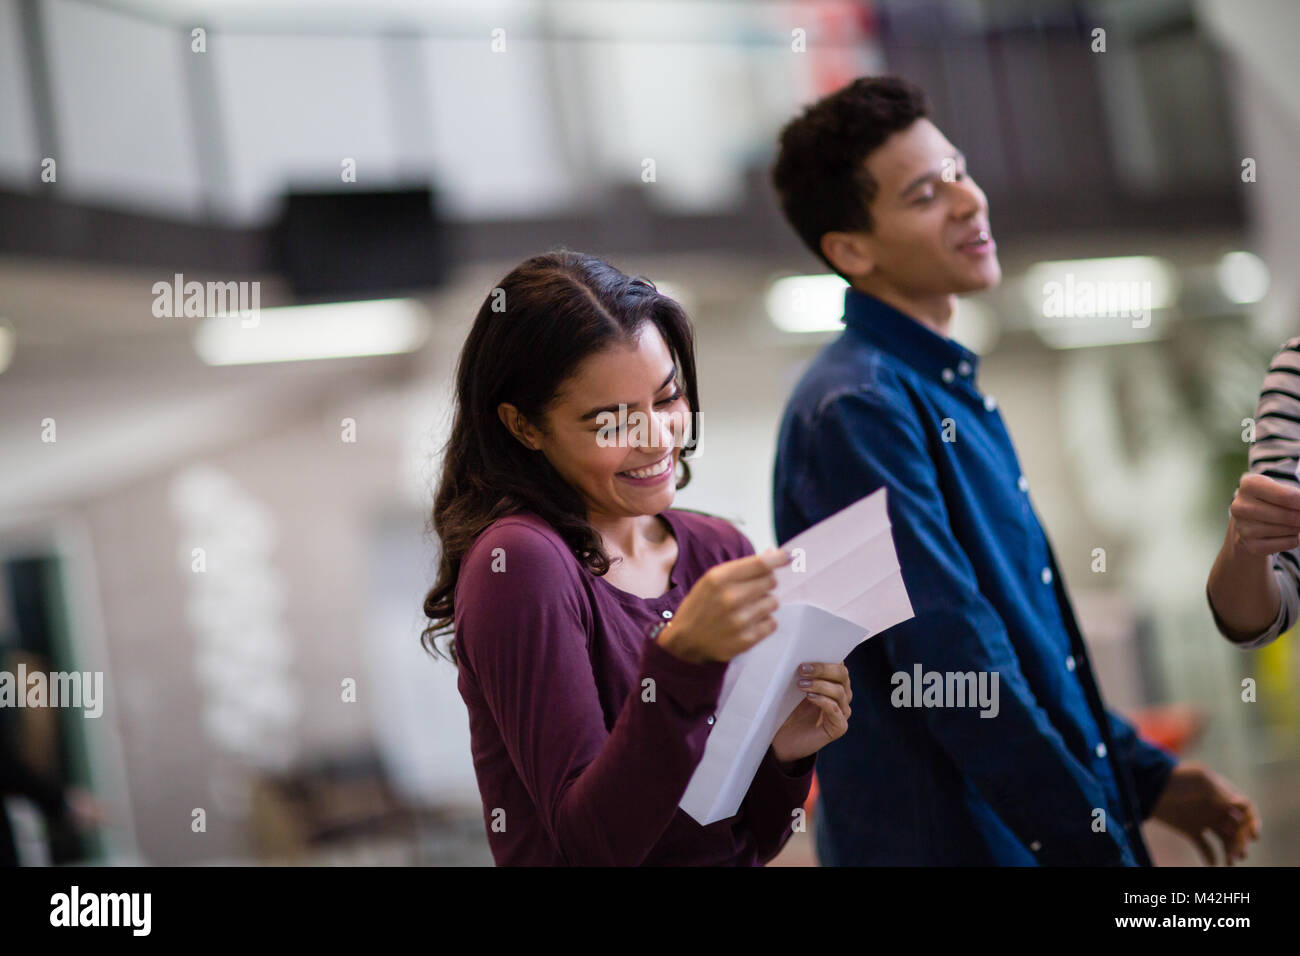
[
  {"x": 1077, "y": 303},
  {"x": 1243, "y": 277},
  {"x": 309, "y": 332},
  {"x": 807, "y": 303}
]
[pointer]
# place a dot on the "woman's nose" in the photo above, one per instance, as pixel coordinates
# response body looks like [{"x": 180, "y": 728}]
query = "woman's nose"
[{"x": 662, "y": 430}]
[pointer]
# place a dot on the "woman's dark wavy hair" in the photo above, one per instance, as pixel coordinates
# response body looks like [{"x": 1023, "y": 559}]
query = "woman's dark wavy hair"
[{"x": 530, "y": 334}]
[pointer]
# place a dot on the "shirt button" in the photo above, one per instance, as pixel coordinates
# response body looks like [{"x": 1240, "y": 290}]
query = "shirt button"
[
  {"x": 1069, "y": 663},
  {"x": 1101, "y": 750},
  {"x": 711, "y": 720},
  {"x": 667, "y": 614},
  {"x": 1023, "y": 483},
  {"x": 963, "y": 367},
  {"x": 947, "y": 375},
  {"x": 1047, "y": 575},
  {"x": 1035, "y": 846},
  {"x": 990, "y": 402}
]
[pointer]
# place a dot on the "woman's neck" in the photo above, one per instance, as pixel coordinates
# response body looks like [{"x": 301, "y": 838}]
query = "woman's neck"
[{"x": 632, "y": 538}]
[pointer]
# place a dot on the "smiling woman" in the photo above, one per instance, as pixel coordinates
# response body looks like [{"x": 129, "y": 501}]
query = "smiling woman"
[
  {"x": 529, "y": 432},
  {"x": 593, "y": 623}
]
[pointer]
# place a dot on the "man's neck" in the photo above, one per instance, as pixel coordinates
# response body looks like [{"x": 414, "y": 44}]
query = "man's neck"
[{"x": 935, "y": 313}]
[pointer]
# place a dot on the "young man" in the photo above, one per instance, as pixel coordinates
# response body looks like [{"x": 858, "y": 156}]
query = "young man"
[{"x": 1045, "y": 775}]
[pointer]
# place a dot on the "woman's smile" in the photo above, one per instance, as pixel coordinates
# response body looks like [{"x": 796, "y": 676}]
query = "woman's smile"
[{"x": 653, "y": 474}]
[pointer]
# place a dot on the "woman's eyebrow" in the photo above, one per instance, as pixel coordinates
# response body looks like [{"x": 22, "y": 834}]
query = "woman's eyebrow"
[{"x": 613, "y": 408}]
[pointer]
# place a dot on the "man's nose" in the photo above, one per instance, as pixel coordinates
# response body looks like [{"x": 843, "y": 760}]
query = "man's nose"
[{"x": 969, "y": 197}]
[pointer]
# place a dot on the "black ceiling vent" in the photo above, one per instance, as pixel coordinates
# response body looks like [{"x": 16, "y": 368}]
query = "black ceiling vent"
[{"x": 358, "y": 244}]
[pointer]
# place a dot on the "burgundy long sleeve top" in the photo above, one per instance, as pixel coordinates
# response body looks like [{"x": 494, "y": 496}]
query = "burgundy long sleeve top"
[{"x": 584, "y": 730}]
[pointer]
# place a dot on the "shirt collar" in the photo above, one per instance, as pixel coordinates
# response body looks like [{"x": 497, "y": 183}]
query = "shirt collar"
[{"x": 906, "y": 338}]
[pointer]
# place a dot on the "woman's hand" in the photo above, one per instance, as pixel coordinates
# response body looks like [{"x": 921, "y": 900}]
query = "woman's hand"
[
  {"x": 1264, "y": 519},
  {"x": 1265, "y": 515},
  {"x": 822, "y": 716},
  {"x": 86, "y": 812},
  {"x": 728, "y": 611}
]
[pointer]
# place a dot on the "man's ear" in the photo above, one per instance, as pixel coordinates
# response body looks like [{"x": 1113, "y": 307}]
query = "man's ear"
[
  {"x": 849, "y": 252},
  {"x": 518, "y": 426}
]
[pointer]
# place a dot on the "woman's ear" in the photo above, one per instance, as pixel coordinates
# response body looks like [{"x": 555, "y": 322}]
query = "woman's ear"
[{"x": 518, "y": 426}]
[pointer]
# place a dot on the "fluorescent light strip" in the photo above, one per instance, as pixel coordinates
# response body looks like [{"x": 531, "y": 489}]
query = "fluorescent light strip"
[
  {"x": 807, "y": 303},
  {"x": 1082, "y": 303},
  {"x": 312, "y": 332},
  {"x": 1099, "y": 332},
  {"x": 1076, "y": 283}
]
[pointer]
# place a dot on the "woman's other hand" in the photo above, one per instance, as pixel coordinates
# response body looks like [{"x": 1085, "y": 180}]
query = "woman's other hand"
[{"x": 822, "y": 715}]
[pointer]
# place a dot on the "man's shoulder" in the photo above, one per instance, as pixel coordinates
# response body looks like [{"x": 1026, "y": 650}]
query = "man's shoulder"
[{"x": 846, "y": 367}]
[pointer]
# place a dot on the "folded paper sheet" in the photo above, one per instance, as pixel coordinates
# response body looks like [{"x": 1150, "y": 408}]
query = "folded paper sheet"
[{"x": 843, "y": 586}]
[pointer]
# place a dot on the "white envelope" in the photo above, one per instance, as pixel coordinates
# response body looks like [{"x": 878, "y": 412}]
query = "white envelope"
[{"x": 843, "y": 586}]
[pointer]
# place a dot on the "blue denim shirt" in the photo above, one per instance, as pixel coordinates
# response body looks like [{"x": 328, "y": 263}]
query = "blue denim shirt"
[{"x": 1053, "y": 778}]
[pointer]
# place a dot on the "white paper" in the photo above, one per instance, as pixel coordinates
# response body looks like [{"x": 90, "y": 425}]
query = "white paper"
[{"x": 843, "y": 587}]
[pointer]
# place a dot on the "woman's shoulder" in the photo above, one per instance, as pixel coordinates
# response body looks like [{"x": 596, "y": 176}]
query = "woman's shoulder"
[
  {"x": 522, "y": 545},
  {"x": 1282, "y": 380},
  {"x": 1290, "y": 345},
  {"x": 1275, "y": 445},
  {"x": 715, "y": 538},
  {"x": 1287, "y": 356},
  {"x": 517, "y": 579}
]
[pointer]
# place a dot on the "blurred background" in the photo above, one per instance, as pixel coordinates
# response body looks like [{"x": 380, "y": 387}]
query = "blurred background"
[{"x": 231, "y": 528}]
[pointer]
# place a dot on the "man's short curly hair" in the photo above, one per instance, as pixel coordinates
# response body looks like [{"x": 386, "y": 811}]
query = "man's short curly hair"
[{"x": 820, "y": 173}]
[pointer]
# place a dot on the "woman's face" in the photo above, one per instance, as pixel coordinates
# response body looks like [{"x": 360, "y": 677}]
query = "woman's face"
[{"x": 621, "y": 411}]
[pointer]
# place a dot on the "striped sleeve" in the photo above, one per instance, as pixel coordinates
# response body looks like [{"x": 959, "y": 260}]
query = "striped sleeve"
[{"x": 1276, "y": 454}]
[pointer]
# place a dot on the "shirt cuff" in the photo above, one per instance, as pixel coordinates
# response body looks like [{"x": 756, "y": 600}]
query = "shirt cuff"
[
  {"x": 772, "y": 799},
  {"x": 801, "y": 768},
  {"x": 1159, "y": 769},
  {"x": 692, "y": 685}
]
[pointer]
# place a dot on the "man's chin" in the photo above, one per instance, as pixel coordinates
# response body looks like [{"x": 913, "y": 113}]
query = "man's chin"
[{"x": 982, "y": 279}]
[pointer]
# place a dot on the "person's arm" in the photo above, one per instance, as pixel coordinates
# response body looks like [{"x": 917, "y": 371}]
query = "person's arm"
[
  {"x": 1149, "y": 764},
  {"x": 604, "y": 797},
  {"x": 1017, "y": 761},
  {"x": 778, "y": 790},
  {"x": 18, "y": 779},
  {"x": 1254, "y": 596}
]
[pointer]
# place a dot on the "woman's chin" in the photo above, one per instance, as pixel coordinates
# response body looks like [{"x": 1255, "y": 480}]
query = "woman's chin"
[{"x": 647, "y": 501}]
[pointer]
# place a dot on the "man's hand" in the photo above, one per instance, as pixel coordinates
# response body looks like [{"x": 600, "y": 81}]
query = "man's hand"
[{"x": 1197, "y": 799}]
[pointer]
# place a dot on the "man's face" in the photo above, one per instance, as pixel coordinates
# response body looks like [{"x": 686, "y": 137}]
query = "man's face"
[{"x": 928, "y": 214}]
